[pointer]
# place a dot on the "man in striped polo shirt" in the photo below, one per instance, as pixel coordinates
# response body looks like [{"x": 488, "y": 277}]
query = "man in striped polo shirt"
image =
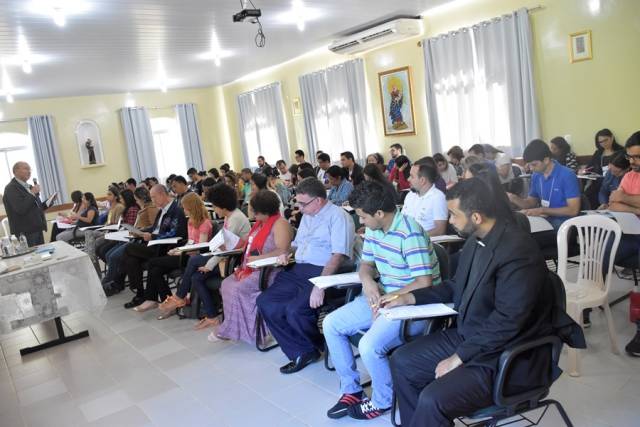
[{"x": 400, "y": 251}]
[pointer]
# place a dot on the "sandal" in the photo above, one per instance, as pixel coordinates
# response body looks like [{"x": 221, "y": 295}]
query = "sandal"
[
  {"x": 207, "y": 322},
  {"x": 170, "y": 305}
]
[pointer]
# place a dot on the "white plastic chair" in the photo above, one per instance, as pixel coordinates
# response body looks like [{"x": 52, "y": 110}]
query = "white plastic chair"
[
  {"x": 590, "y": 289},
  {"x": 5, "y": 226}
]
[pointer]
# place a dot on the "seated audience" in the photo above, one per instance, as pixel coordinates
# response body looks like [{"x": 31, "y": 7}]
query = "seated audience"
[
  {"x": 213, "y": 174},
  {"x": 427, "y": 160},
  {"x": 76, "y": 198},
  {"x": 270, "y": 236},
  {"x": 468, "y": 161},
  {"x": 425, "y": 203},
  {"x": 131, "y": 184},
  {"x": 508, "y": 175},
  {"x": 477, "y": 150},
  {"x": 244, "y": 183},
  {"x": 618, "y": 167},
  {"x": 378, "y": 160},
  {"x": 285, "y": 175},
  {"x": 199, "y": 267},
  {"x": 260, "y": 182},
  {"x": 324, "y": 241},
  {"x": 340, "y": 187},
  {"x": 196, "y": 181},
  {"x": 180, "y": 188},
  {"x": 324, "y": 163},
  {"x": 224, "y": 169},
  {"x": 293, "y": 170},
  {"x": 170, "y": 222},
  {"x": 562, "y": 153},
  {"x": 207, "y": 184},
  {"x": 299, "y": 157},
  {"x": 446, "y": 170},
  {"x": 86, "y": 217},
  {"x": 199, "y": 229},
  {"x": 490, "y": 152},
  {"x": 275, "y": 184},
  {"x": 456, "y": 155},
  {"x": 352, "y": 169},
  {"x": 502, "y": 207},
  {"x": 372, "y": 172},
  {"x": 396, "y": 248},
  {"x": 503, "y": 298},
  {"x": 399, "y": 175},
  {"x": 554, "y": 190},
  {"x": 114, "y": 216},
  {"x": 262, "y": 165},
  {"x": 304, "y": 173},
  {"x": 231, "y": 180},
  {"x": 606, "y": 149},
  {"x": 395, "y": 150}
]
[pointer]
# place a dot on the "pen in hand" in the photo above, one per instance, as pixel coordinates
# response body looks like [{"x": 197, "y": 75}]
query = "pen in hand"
[{"x": 382, "y": 303}]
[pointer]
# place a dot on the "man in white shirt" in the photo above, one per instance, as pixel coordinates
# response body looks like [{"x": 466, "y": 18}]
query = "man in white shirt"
[
  {"x": 324, "y": 163},
  {"x": 425, "y": 203}
]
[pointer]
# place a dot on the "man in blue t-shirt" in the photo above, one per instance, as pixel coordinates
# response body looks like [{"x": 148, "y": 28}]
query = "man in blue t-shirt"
[{"x": 554, "y": 191}]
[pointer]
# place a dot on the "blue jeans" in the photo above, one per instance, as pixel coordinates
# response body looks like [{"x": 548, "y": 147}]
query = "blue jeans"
[
  {"x": 199, "y": 284},
  {"x": 381, "y": 337},
  {"x": 190, "y": 270},
  {"x": 113, "y": 257}
]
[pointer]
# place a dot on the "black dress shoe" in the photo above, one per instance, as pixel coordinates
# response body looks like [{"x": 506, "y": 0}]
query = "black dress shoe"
[
  {"x": 300, "y": 362},
  {"x": 136, "y": 301}
]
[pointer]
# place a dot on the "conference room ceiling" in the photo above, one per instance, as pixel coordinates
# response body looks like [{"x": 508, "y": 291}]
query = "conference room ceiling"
[{"x": 112, "y": 46}]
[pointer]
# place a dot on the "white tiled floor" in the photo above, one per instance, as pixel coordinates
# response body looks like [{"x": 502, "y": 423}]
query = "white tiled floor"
[{"x": 137, "y": 371}]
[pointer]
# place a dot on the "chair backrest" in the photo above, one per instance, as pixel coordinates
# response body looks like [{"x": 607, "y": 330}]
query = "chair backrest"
[
  {"x": 5, "y": 226},
  {"x": 595, "y": 235},
  {"x": 522, "y": 221},
  {"x": 443, "y": 261}
]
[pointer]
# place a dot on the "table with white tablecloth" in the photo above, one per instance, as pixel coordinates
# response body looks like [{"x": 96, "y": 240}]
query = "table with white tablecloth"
[{"x": 46, "y": 288}]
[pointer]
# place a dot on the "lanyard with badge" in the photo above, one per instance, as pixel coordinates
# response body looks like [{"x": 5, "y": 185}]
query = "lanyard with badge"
[{"x": 545, "y": 203}]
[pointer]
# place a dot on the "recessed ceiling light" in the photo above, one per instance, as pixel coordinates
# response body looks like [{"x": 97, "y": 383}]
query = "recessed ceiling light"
[
  {"x": 59, "y": 10},
  {"x": 299, "y": 14}
]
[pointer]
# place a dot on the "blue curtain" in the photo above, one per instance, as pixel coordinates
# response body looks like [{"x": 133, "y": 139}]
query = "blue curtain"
[
  {"x": 190, "y": 135},
  {"x": 139, "y": 137},
  {"x": 47, "y": 157}
]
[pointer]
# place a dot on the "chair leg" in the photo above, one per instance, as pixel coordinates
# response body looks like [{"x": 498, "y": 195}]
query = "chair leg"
[
  {"x": 259, "y": 334},
  {"x": 560, "y": 409},
  {"x": 573, "y": 354},
  {"x": 327, "y": 361},
  {"x": 613, "y": 336},
  {"x": 394, "y": 409}
]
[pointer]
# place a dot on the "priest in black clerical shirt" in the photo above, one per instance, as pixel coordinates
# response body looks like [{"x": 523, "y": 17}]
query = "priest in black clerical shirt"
[{"x": 503, "y": 298}]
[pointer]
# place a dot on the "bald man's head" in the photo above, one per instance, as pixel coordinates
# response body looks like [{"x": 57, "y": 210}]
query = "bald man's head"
[
  {"x": 22, "y": 171},
  {"x": 160, "y": 196}
]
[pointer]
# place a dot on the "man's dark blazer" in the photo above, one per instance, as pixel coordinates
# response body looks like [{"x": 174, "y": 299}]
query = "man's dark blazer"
[
  {"x": 504, "y": 300},
  {"x": 357, "y": 176},
  {"x": 24, "y": 210},
  {"x": 174, "y": 223}
]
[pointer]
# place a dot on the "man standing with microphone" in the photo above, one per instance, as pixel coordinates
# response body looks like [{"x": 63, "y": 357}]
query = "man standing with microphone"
[{"x": 24, "y": 208}]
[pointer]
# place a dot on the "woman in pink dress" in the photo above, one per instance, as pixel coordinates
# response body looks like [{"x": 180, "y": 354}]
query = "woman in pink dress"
[{"x": 270, "y": 237}]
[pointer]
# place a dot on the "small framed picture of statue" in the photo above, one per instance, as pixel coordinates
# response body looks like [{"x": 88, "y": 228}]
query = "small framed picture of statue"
[
  {"x": 397, "y": 102},
  {"x": 89, "y": 144}
]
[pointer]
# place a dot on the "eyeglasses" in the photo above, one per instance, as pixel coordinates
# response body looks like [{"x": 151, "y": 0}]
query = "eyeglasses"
[
  {"x": 304, "y": 204},
  {"x": 634, "y": 157}
]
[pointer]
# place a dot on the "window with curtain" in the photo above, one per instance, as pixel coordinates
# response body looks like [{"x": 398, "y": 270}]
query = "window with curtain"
[
  {"x": 480, "y": 87},
  {"x": 168, "y": 148},
  {"x": 262, "y": 127},
  {"x": 336, "y": 113},
  {"x": 15, "y": 147}
]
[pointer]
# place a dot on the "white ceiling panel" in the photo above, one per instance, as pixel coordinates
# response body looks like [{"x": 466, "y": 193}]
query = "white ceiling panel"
[{"x": 117, "y": 45}]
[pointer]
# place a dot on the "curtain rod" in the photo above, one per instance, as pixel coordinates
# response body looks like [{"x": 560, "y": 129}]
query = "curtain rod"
[
  {"x": 535, "y": 8},
  {"x": 20, "y": 119}
]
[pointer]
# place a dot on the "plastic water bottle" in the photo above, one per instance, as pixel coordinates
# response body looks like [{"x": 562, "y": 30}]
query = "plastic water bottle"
[
  {"x": 24, "y": 245},
  {"x": 15, "y": 246}
]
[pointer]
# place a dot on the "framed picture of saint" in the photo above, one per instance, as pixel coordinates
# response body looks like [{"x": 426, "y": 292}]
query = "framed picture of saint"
[
  {"x": 89, "y": 143},
  {"x": 397, "y": 102}
]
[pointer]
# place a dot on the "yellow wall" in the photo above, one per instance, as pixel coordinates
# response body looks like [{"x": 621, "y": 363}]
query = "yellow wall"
[
  {"x": 576, "y": 99},
  {"x": 104, "y": 110}
]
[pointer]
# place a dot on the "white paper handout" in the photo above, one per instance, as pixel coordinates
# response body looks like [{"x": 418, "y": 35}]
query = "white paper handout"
[
  {"x": 273, "y": 260},
  {"x": 51, "y": 199},
  {"x": 118, "y": 236},
  {"x": 169, "y": 241},
  {"x": 324, "y": 282},
  {"x": 112, "y": 227},
  {"x": 131, "y": 228},
  {"x": 417, "y": 311},
  {"x": 539, "y": 224},
  {"x": 64, "y": 225},
  {"x": 447, "y": 238},
  {"x": 91, "y": 227}
]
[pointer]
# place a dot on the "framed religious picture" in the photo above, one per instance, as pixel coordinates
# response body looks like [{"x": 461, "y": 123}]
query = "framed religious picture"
[
  {"x": 580, "y": 46},
  {"x": 89, "y": 144},
  {"x": 397, "y": 102},
  {"x": 296, "y": 107}
]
